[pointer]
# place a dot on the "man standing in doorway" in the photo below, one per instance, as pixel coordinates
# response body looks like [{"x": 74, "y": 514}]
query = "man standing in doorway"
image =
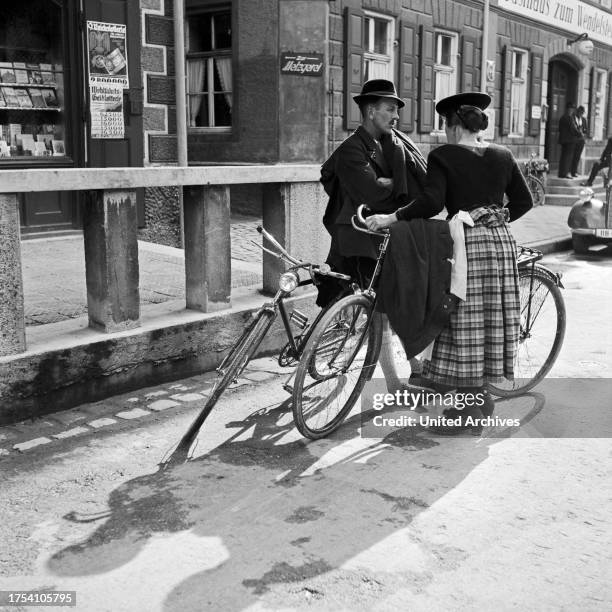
[
  {"x": 568, "y": 136},
  {"x": 581, "y": 125}
]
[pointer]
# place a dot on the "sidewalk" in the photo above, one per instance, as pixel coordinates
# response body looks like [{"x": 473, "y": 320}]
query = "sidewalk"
[{"x": 54, "y": 268}]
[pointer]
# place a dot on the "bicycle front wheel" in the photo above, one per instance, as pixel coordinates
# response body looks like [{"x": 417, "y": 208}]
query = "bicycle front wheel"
[
  {"x": 542, "y": 328},
  {"x": 232, "y": 366},
  {"x": 537, "y": 190},
  {"x": 338, "y": 359}
]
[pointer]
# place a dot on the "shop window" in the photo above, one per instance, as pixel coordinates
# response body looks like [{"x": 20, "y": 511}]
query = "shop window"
[
  {"x": 209, "y": 68},
  {"x": 32, "y": 84},
  {"x": 445, "y": 70},
  {"x": 378, "y": 46},
  {"x": 601, "y": 83},
  {"x": 518, "y": 94}
]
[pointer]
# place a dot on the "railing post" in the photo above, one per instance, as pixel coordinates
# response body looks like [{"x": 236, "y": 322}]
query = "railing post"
[
  {"x": 12, "y": 324},
  {"x": 293, "y": 212},
  {"x": 208, "y": 263},
  {"x": 111, "y": 260}
]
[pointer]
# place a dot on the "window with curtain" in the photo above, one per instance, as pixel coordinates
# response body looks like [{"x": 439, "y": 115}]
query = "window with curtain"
[
  {"x": 445, "y": 70},
  {"x": 378, "y": 47},
  {"x": 518, "y": 94},
  {"x": 209, "y": 67}
]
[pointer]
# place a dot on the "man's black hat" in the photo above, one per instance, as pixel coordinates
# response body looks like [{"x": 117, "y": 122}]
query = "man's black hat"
[
  {"x": 452, "y": 103},
  {"x": 379, "y": 88}
]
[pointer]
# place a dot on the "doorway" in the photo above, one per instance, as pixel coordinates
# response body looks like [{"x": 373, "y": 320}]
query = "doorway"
[{"x": 562, "y": 88}]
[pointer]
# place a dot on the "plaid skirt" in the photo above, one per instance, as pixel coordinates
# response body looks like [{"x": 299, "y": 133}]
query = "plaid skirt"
[{"x": 479, "y": 342}]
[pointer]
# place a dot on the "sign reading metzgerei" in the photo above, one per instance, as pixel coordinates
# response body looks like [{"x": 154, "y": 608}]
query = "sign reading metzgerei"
[{"x": 302, "y": 64}]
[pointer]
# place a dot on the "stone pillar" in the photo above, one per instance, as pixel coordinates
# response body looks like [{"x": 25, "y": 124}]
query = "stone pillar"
[
  {"x": 12, "y": 325},
  {"x": 208, "y": 256},
  {"x": 111, "y": 260},
  {"x": 293, "y": 213}
]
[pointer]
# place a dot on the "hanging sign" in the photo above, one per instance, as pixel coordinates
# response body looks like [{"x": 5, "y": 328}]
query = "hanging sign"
[
  {"x": 107, "y": 53},
  {"x": 302, "y": 64},
  {"x": 106, "y": 110}
]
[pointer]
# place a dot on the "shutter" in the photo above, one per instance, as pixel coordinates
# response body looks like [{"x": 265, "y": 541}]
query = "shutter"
[
  {"x": 537, "y": 61},
  {"x": 353, "y": 66},
  {"x": 470, "y": 80},
  {"x": 608, "y": 130},
  {"x": 426, "y": 80},
  {"x": 506, "y": 90},
  {"x": 592, "y": 101},
  {"x": 407, "y": 75}
]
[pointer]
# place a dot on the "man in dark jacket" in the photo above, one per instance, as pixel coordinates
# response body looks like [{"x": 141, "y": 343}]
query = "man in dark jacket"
[
  {"x": 568, "y": 137},
  {"x": 377, "y": 166},
  {"x": 604, "y": 162}
]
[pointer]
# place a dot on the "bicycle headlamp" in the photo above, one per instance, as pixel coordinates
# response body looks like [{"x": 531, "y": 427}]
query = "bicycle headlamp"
[{"x": 288, "y": 282}]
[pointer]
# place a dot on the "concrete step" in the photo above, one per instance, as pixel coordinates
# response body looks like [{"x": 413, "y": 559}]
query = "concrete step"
[{"x": 555, "y": 181}]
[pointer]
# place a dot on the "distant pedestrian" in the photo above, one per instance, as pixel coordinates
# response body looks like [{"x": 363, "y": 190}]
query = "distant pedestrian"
[
  {"x": 598, "y": 166},
  {"x": 581, "y": 125},
  {"x": 568, "y": 135}
]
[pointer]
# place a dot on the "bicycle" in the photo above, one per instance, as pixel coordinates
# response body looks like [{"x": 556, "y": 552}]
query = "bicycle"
[
  {"x": 247, "y": 344},
  {"x": 542, "y": 325},
  {"x": 534, "y": 169}
]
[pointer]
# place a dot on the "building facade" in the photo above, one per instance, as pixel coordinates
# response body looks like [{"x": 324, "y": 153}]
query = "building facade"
[{"x": 270, "y": 81}]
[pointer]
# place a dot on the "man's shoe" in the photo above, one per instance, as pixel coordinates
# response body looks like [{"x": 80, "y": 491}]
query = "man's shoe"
[
  {"x": 575, "y": 175},
  {"x": 586, "y": 184}
]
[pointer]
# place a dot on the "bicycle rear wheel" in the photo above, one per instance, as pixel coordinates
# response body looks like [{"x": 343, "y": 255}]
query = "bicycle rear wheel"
[
  {"x": 542, "y": 328},
  {"x": 537, "y": 190},
  {"x": 230, "y": 369},
  {"x": 338, "y": 359}
]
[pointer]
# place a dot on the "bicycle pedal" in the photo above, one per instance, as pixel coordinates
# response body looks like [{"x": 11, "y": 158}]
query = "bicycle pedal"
[{"x": 299, "y": 319}]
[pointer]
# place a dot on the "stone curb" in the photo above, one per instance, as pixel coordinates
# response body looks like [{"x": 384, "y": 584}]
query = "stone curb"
[{"x": 25, "y": 436}]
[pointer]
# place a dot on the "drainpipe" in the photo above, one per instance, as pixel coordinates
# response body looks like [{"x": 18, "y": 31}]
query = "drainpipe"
[
  {"x": 485, "y": 43},
  {"x": 181, "y": 98}
]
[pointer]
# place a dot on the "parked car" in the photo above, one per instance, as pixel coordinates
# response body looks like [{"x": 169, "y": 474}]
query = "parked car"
[{"x": 590, "y": 222}]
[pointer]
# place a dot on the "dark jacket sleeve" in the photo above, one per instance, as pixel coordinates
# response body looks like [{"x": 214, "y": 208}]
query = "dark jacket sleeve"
[
  {"x": 607, "y": 152},
  {"x": 520, "y": 199},
  {"x": 358, "y": 180},
  {"x": 431, "y": 201}
]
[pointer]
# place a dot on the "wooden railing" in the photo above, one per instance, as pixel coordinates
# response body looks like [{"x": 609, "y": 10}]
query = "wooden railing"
[{"x": 293, "y": 204}]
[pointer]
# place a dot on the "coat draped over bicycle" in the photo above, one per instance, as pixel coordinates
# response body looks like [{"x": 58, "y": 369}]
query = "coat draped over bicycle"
[{"x": 415, "y": 282}]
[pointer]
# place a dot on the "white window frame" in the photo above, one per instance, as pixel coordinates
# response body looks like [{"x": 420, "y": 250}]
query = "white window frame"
[
  {"x": 518, "y": 93},
  {"x": 209, "y": 58},
  {"x": 444, "y": 72},
  {"x": 384, "y": 61},
  {"x": 600, "y": 110}
]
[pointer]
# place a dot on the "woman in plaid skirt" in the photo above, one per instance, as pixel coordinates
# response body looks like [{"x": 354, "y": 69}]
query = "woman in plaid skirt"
[{"x": 478, "y": 344}]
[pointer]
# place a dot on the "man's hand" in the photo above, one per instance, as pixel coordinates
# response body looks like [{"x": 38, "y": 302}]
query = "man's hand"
[
  {"x": 378, "y": 222},
  {"x": 385, "y": 182}
]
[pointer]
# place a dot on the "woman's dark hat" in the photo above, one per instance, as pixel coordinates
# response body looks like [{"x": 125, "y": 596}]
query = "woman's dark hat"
[
  {"x": 452, "y": 103},
  {"x": 379, "y": 88}
]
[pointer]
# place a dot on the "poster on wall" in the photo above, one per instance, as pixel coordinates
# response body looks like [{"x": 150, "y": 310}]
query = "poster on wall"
[
  {"x": 106, "y": 110},
  {"x": 107, "y": 53}
]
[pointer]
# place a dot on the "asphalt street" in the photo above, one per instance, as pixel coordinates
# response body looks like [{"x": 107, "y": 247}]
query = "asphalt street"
[{"x": 261, "y": 519}]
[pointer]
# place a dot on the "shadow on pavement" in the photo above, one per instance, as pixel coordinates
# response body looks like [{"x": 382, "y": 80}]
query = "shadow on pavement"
[{"x": 297, "y": 519}]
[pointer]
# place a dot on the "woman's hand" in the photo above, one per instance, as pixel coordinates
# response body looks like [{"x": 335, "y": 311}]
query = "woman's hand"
[{"x": 378, "y": 222}]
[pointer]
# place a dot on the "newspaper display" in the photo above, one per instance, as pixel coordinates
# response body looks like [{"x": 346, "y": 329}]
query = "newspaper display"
[
  {"x": 106, "y": 110},
  {"x": 107, "y": 53}
]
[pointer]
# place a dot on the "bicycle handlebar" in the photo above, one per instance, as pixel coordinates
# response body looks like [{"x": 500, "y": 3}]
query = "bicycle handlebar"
[
  {"x": 322, "y": 269},
  {"x": 358, "y": 222},
  {"x": 270, "y": 238}
]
